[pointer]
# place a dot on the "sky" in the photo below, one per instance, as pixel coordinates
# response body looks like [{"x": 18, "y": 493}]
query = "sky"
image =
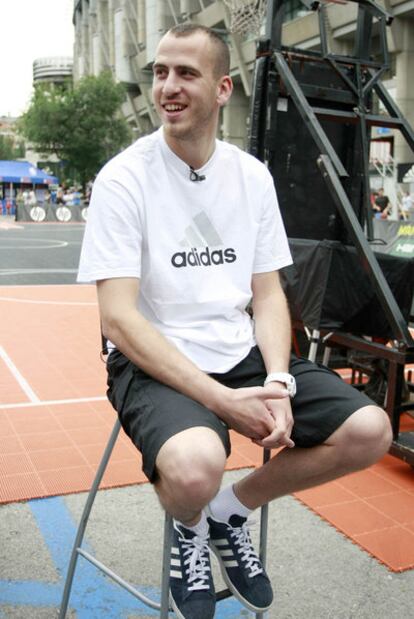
[{"x": 30, "y": 29}]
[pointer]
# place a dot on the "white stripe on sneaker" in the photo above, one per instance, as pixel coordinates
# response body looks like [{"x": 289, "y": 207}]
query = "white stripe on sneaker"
[{"x": 226, "y": 553}]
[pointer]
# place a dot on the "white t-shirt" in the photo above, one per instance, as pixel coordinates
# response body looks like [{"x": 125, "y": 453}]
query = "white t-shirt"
[{"x": 194, "y": 245}]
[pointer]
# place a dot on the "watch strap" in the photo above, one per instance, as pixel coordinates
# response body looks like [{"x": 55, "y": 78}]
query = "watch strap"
[{"x": 283, "y": 377}]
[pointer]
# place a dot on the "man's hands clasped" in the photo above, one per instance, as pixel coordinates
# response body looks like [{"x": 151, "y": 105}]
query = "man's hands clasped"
[{"x": 263, "y": 414}]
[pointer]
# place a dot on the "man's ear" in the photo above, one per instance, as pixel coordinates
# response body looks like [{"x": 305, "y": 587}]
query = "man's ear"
[{"x": 224, "y": 90}]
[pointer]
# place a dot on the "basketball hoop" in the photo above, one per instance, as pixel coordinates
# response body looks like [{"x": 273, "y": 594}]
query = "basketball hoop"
[{"x": 246, "y": 16}]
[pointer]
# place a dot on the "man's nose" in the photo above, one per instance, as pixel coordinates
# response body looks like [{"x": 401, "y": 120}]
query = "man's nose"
[{"x": 171, "y": 84}]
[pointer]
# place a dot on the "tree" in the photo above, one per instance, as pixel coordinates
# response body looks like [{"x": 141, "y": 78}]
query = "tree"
[
  {"x": 9, "y": 150},
  {"x": 82, "y": 125}
]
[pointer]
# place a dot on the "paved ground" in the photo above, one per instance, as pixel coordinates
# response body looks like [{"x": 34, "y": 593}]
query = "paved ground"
[
  {"x": 38, "y": 253},
  {"x": 317, "y": 572}
]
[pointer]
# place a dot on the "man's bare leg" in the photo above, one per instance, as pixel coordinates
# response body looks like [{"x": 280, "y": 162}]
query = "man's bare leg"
[
  {"x": 361, "y": 440},
  {"x": 190, "y": 466}
]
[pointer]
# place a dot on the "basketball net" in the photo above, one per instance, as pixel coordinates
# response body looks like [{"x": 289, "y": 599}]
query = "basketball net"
[{"x": 246, "y": 16}]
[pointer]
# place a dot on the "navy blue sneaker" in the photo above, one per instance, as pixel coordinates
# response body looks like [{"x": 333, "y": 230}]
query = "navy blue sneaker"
[
  {"x": 192, "y": 594},
  {"x": 241, "y": 568}
]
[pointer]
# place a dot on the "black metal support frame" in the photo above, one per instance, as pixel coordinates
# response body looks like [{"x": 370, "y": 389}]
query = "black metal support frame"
[{"x": 361, "y": 75}]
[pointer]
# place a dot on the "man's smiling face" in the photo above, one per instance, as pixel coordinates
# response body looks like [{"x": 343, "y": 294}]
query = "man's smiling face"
[{"x": 186, "y": 91}]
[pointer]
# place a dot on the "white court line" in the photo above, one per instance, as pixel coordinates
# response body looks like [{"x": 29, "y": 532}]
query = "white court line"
[
  {"x": 53, "y": 402},
  {"x": 10, "y": 226},
  {"x": 19, "y": 286},
  {"x": 38, "y": 302},
  {"x": 12, "y": 271},
  {"x": 50, "y": 243},
  {"x": 20, "y": 379}
]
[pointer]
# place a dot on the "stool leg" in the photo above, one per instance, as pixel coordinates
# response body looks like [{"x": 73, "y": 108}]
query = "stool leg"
[
  {"x": 264, "y": 515},
  {"x": 85, "y": 517},
  {"x": 166, "y": 559}
]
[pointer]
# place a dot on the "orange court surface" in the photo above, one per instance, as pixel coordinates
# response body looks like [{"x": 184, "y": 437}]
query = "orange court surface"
[{"x": 55, "y": 421}]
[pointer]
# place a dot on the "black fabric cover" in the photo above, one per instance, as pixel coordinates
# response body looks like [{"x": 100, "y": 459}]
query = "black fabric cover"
[{"x": 328, "y": 288}]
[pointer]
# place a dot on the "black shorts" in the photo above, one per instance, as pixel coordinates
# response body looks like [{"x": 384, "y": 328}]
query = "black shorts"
[{"x": 151, "y": 412}]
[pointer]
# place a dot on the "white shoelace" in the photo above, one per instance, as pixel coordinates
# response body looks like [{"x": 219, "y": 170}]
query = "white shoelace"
[
  {"x": 245, "y": 548},
  {"x": 195, "y": 550}
]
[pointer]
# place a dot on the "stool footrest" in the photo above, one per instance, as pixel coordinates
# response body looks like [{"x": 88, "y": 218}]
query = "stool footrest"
[
  {"x": 223, "y": 594},
  {"x": 123, "y": 583}
]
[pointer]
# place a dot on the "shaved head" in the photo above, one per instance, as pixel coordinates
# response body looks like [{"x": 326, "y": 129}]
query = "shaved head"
[{"x": 220, "y": 49}]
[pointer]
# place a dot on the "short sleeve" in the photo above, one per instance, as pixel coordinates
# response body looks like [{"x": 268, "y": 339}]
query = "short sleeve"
[
  {"x": 112, "y": 243},
  {"x": 272, "y": 248}
]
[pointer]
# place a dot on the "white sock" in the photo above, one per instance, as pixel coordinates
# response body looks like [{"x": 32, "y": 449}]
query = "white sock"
[
  {"x": 225, "y": 504},
  {"x": 200, "y": 529}
]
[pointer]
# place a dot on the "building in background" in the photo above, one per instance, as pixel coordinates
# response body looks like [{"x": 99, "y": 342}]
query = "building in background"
[
  {"x": 53, "y": 70},
  {"x": 122, "y": 35}
]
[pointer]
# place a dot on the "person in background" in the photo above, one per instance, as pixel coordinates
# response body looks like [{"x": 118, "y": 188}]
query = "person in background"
[
  {"x": 382, "y": 205},
  {"x": 25, "y": 196},
  {"x": 407, "y": 204},
  {"x": 32, "y": 199},
  {"x": 60, "y": 193}
]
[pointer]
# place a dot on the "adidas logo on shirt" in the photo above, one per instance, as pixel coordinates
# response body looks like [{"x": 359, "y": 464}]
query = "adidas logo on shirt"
[
  {"x": 205, "y": 258},
  {"x": 198, "y": 237}
]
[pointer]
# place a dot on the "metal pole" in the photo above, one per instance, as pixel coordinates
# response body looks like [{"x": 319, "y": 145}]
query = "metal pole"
[
  {"x": 264, "y": 521},
  {"x": 370, "y": 263},
  {"x": 85, "y": 518},
  {"x": 166, "y": 558},
  {"x": 307, "y": 114},
  {"x": 274, "y": 22}
]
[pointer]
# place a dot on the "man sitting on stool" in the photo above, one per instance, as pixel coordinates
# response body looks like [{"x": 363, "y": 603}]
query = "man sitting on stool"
[{"x": 183, "y": 232}]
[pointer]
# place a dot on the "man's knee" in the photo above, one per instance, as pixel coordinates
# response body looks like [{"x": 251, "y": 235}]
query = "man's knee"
[
  {"x": 365, "y": 436},
  {"x": 191, "y": 466}
]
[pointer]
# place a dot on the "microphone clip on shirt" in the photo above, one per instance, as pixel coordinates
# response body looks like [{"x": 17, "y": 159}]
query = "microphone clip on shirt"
[{"x": 196, "y": 177}]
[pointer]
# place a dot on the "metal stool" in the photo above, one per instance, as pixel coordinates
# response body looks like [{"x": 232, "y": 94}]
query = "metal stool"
[{"x": 163, "y": 605}]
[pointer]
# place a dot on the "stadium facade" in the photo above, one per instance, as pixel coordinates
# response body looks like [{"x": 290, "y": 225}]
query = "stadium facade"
[{"x": 122, "y": 35}]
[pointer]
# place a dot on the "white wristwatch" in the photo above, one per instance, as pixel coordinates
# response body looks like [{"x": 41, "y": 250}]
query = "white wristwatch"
[{"x": 283, "y": 377}]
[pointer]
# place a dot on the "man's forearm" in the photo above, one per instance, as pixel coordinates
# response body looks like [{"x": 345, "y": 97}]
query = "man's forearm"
[
  {"x": 147, "y": 348},
  {"x": 273, "y": 331}
]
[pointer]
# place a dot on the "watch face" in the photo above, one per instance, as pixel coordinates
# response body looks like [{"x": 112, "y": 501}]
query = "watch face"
[{"x": 291, "y": 385}]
